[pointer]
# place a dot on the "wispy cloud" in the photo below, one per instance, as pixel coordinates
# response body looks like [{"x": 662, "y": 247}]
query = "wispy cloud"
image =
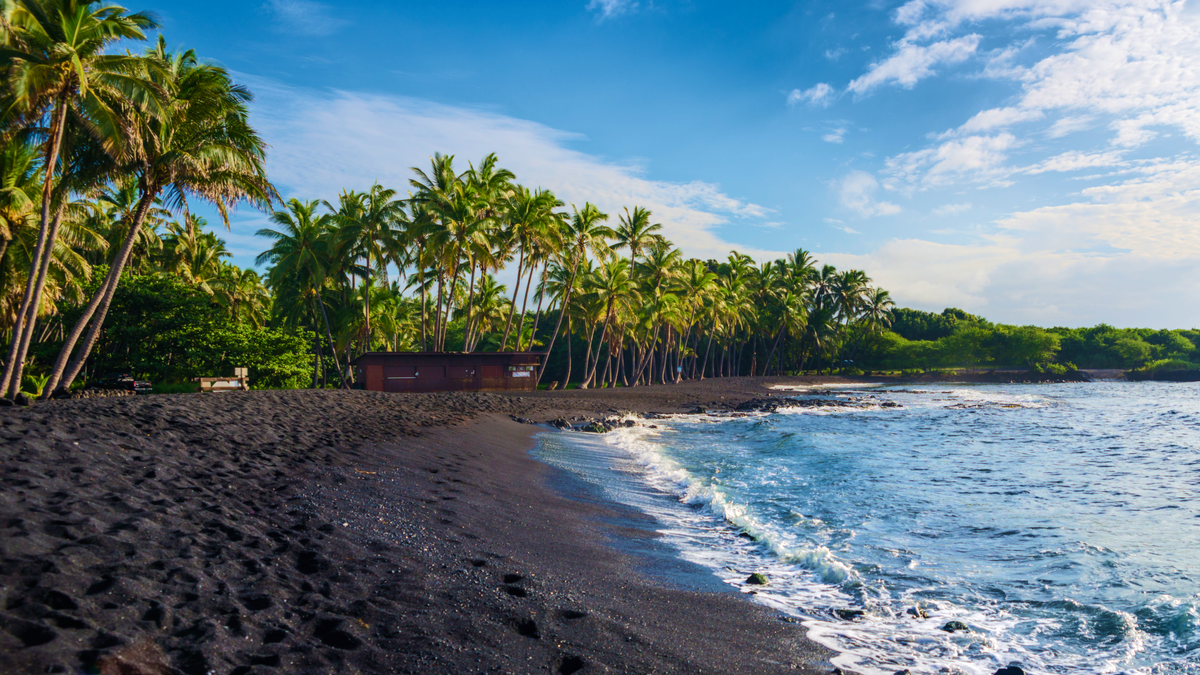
[
  {"x": 606, "y": 9},
  {"x": 322, "y": 142},
  {"x": 821, "y": 94},
  {"x": 913, "y": 62},
  {"x": 835, "y": 136},
  {"x": 952, "y": 209},
  {"x": 306, "y": 17},
  {"x": 856, "y": 191}
]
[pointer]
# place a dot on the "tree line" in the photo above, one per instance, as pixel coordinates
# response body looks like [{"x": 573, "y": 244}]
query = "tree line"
[
  {"x": 96, "y": 143},
  {"x": 103, "y": 152}
]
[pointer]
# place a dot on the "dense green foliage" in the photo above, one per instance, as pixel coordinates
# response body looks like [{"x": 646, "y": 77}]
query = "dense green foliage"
[{"x": 167, "y": 330}]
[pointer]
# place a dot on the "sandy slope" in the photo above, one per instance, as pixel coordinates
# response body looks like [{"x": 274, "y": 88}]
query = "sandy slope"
[{"x": 295, "y": 532}]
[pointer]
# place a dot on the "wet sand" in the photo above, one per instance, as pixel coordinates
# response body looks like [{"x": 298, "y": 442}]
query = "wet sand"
[{"x": 349, "y": 532}]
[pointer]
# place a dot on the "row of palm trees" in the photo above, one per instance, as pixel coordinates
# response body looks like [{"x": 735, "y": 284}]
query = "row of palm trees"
[
  {"x": 86, "y": 128},
  {"x": 374, "y": 270},
  {"x": 102, "y": 151}
]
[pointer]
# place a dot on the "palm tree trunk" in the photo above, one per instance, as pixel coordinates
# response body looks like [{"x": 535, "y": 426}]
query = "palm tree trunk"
[
  {"x": 567, "y": 377},
  {"x": 316, "y": 359},
  {"x": 332, "y": 346},
  {"x": 31, "y": 323},
  {"x": 707, "y": 351},
  {"x": 468, "y": 329},
  {"x": 537, "y": 316},
  {"x": 513, "y": 310},
  {"x": 97, "y": 304},
  {"x": 603, "y": 333},
  {"x": 437, "y": 312},
  {"x": 45, "y": 247},
  {"x": 367, "y": 303},
  {"x": 525, "y": 305},
  {"x": 562, "y": 311},
  {"x": 424, "y": 295}
]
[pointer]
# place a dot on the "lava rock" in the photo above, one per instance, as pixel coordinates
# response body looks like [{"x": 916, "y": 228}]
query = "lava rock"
[
  {"x": 22, "y": 400},
  {"x": 849, "y": 614},
  {"x": 596, "y": 428},
  {"x": 5, "y": 403},
  {"x": 1010, "y": 670},
  {"x": 917, "y": 612},
  {"x": 560, "y": 423},
  {"x": 956, "y": 626},
  {"x": 757, "y": 579}
]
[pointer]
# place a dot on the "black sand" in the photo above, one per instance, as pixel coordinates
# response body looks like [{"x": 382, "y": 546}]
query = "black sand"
[{"x": 350, "y": 532}]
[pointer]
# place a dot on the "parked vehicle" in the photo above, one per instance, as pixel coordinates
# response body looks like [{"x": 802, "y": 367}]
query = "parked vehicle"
[{"x": 121, "y": 381}]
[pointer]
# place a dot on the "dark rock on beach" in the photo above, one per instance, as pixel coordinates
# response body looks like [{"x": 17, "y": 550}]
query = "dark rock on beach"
[
  {"x": 757, "y": 579},
  {"x": 955, "y": 627},
  {"x": 849, "y": 614},
  {"x": 1010, "y": 670}
]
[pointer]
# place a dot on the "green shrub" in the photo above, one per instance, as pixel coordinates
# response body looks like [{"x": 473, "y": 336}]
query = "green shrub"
[{"x": 1169, "y": 364}]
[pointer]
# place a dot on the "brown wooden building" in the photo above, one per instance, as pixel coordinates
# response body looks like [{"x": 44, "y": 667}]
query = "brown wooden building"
[{"x": 448, "y": 371}]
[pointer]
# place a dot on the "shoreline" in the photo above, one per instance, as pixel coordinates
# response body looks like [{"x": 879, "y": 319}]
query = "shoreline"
[{"x": 321, "y": 531}]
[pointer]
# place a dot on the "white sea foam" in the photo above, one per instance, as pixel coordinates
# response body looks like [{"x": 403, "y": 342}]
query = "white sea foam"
[{"x": 809, "y": 581}]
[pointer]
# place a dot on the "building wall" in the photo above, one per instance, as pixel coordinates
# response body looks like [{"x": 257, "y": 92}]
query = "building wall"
[{"x": 423, "y": 371}]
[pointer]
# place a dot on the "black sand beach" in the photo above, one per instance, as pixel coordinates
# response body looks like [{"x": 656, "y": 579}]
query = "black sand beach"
[{"x": 349, "y": 532}]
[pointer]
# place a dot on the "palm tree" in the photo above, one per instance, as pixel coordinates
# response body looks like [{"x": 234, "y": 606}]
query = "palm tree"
[
  {"x": 368, "y": 227},
  {"x": 243, "y": 295},
  {"x": 300, "y": 260},
  {"x": 582, "y": 233},
  {"x": 614, "y": 287},
  {"x": 203, "y": 146},
  {"x": 56, "y": 66},
  {"x": 535, "y": 227},
  {"x": 636, "y": 233}
]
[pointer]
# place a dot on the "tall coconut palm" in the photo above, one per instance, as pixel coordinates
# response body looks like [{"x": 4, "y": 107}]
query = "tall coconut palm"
[
  {"x": 584, "y": 232},
  {"x": 534, "y": 226},
  {"x": 368, "y": 226},
  {"x": 636, "y": 233},
  {"x": 203, "y": 146},
  {"x": 56, "y": 65},
  {"x": 300, "y": 259},
  {"x": 615, "y": 287}
]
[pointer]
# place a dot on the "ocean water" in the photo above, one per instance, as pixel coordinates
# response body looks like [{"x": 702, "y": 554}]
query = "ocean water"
[{"x": 1061, "y": 523}]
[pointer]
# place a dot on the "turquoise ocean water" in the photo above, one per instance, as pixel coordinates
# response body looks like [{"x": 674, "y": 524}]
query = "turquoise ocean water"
[{"x": 1060, "y": 522}]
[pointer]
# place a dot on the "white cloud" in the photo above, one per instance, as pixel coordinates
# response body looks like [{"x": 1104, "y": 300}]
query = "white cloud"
[
  {"x": 820, "y": 94},
  {"x": 1075, "y": 160},
  {"x": 835, "y": 136},
  {"x": 996, "y": 118},
  {"x": 321, "y": 143},
  {"x": 1049, "y": 265},
  {"x": 1065, "y": 126},
  {"x": 306, "y": 17},
  {"x": 834, "y": 54},
  {"x": 610, "y": 8},
  {"x": 952, "y": 209},
  {"x": 913, "y": 62},
  {"x": 856, "y": 191},
  {"x": 975, "y": 157}
]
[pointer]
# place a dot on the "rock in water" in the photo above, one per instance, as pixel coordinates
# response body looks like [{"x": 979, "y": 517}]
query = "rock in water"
[
  {"x": 757, "y": 579},
  {"x": 955, "y": 626},
  {"x": 917, "y": 612},
  {"x": 849, "y": 614},
  {"x": 1010, "y": 670}
]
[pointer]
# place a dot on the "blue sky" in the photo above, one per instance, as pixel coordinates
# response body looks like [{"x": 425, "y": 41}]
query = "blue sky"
[{"x": 1034, "y": 161}]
